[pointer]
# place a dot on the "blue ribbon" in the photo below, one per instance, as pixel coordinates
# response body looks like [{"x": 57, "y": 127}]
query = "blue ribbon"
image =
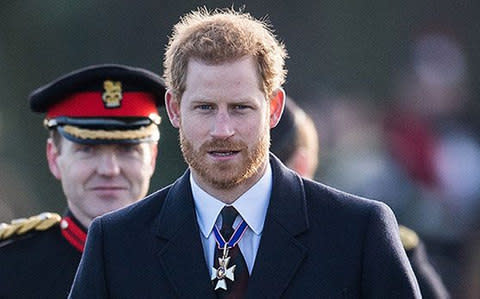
[{"x": 237, "y": 235}]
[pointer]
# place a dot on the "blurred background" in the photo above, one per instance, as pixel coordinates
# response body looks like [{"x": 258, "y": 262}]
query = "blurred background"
[{"x": 392, "y": 87}]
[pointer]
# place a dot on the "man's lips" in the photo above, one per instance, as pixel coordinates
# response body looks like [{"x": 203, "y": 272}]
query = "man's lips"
[
  {"x": 223, "y": 153},
  {"x": 107, "y": 188}
]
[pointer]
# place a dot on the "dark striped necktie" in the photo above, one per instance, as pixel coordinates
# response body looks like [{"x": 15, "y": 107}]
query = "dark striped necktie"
[{"x": 238, "y": 287}]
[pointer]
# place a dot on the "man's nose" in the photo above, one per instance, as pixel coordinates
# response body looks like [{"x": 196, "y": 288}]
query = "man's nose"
[
  {"x": 108, "y": 164},
  {"x": 222, "y": 126}
]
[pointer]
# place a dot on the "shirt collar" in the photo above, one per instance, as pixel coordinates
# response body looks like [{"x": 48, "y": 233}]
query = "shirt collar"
[{"x": 252, "y": 205}]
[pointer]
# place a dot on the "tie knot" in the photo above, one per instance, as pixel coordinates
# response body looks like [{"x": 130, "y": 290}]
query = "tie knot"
[{"x": 229, "y": 214}]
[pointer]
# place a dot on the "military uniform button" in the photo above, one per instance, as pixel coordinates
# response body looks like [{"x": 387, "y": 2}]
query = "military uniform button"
[{"x": 64, "y": 224}]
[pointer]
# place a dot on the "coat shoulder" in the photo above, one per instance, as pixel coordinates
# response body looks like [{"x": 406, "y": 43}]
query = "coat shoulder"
[
  {"x": 138, "y": 212},
  {"x": 321, "y": 194},
  {"x": 329, "y": 205}
]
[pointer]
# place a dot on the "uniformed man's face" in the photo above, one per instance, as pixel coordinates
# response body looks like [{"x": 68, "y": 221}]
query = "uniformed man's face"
[
  {"x": 224, "y": 121},
  {"x": 97, "y": 179}
]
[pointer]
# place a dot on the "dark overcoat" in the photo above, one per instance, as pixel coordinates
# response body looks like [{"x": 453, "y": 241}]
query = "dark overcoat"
[{"x": 317, "y": 242}]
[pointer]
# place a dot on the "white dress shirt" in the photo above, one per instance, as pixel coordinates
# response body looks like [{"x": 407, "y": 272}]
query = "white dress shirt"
[{"x": 251, "y": 206}]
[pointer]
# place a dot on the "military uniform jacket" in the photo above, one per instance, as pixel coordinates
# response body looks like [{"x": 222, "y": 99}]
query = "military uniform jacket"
[
  {"x": 40, "y": 263},
  {"x": 317, "y": 243}
]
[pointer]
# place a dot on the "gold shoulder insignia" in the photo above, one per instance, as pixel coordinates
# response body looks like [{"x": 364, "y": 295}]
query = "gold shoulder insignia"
[
  {"x": 23, "y": 225},
  {"x": 409, "y": 237}
]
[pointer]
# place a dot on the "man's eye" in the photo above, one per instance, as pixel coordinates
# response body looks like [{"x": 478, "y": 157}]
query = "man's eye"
[
  {"x": 241, "y": 108},
  {"x": 205, "y": 107},
  {"x": 85, "y": 148},
  {"x": 128, "y": 148}
]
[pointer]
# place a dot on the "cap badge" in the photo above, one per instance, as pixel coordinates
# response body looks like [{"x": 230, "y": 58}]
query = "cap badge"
[{"x": 112, "y": 96}]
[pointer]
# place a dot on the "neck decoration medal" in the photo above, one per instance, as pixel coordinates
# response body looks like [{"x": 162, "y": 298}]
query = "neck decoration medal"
[{"x": 223, "y": 271}]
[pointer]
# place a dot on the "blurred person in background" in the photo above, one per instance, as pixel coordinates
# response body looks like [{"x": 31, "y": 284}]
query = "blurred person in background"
[
  {"x": 430, "y": 137},
  {"x": 354, "y": 156},
  {"x": 295, "y": 142},
  {"x": 103, "y": 125},
  {"x": 420, "y": 155}
]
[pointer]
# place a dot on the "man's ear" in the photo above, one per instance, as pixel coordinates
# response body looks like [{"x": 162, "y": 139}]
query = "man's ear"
[
  {"x": 154, "y": 149},
  {"x": 173, "y": 108},
  {"x": 52, "y": 156},
  {"x": 277, "y": 104}
]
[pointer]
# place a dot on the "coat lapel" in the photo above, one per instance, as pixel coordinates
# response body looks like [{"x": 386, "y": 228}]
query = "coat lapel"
[
  {"x": 181, "y": 251},
  {"x": 280, "y": 254}
]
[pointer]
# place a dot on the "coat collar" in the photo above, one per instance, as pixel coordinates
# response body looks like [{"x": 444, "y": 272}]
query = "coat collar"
[
  {"x": 73, "y": 231},
  {"x": 278, "y": 256},
  {"x": 181, "y": 253},
  {"x": 288, "y": 201},
  {"x": 280, "y": 253}
]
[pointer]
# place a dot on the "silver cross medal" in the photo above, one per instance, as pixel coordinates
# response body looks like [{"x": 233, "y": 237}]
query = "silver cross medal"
[{"x": 223, "y": 270}]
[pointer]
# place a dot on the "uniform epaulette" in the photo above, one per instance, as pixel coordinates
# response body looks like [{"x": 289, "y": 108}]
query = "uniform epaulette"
[
  {"x": 23, "y": 225},
  {"x": 408, "y": 237}
]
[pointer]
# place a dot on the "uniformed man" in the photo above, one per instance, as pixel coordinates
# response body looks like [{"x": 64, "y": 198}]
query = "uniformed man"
[{"x": 103, "y": 123}]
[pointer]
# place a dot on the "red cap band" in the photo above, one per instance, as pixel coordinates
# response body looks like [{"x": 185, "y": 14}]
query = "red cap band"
[{"x": 90, "y": 104}]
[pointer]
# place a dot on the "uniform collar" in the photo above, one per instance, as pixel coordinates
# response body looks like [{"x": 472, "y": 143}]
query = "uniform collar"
[
  {"x": 73, "y": 231},
  {"x": 252, "y": 205}
]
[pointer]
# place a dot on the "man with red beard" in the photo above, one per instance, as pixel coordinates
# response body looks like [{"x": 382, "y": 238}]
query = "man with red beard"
[{"x": 238, "y": 223}]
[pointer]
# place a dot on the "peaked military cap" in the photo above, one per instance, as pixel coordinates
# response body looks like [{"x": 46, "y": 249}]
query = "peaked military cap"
[{"x": 107, "y": 103}]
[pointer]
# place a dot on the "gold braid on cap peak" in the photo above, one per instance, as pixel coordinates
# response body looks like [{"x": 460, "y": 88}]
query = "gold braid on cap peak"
[
  {"x": 144, "y": 132},
  {"x": 23, "y": 225}
]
